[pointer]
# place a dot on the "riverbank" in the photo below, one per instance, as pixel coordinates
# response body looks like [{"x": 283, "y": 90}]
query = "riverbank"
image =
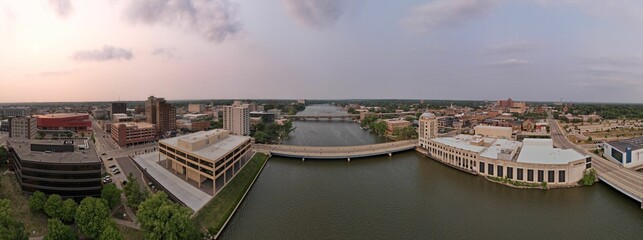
[{"x": 215, "y": 215}]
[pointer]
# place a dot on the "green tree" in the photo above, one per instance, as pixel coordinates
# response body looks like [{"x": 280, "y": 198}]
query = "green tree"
[
  {"x": 37, "y": 201},
  {"x": 157, "y": 212},
  {"x": 110, "y": 233},
  {"x": 379, "y": 127},
  {"x": 261, "y": 137},
  {"x": 135, "y": 195},
  {"x": 56, "y": 230},
  {"x": 112, "y": 195},
  {"x": 9, "y": 227},
  {"x": 69, "y": 210},
  {"x": 54, "y": 206},
  {"x": 589, "y": 139},
  {"x": 92, "y": 217}
]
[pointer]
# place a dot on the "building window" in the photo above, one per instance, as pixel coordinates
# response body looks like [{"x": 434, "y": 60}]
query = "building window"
[
  {"x": 481, "y": 167},
  {"x": 500, "y": 170},
  {"x": 490, "y": 169},
  {"x": 519, "y": 172},
  {"x": 530, "y": 175},
  {"x": 550, "y": 176},
  {"x": 541, "y": 176},
  {"x": 510, "y": 172},
  {"x": 561, "y": 176}
]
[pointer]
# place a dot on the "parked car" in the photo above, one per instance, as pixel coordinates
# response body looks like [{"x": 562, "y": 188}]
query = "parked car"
[
  {"x": 124, "y": 182},
  {"x": 107, "y": 180},
  {"x": 117, "y": 172},
  {"x": 103, "y": 154},
  {"x": 110, "y": 159},
  {"x": 112, "y": 166}
]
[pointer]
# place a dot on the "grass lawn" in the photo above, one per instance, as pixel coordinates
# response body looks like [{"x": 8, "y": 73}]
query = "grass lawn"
[
  {"x": 33, "y": 221},
  {"x": 216, "y": 212},
  {"x": 130, "y": 233}
]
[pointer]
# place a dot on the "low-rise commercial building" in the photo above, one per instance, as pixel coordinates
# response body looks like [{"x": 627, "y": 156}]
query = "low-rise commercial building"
[
  {"x": 196, "y": 108},
  {"x": 23, "y": 127},
  {"x": 69, "y": 168},
  {"x": 392, "y": 124},
  {"x": 266, "y": 117},
  {"x": 15, "y": 112},
  {"x": 532, "y": 161},
  {"x": 133, "y": 133},
  {"x": 77, "y": 122},
  {"x": 192, "y": 125},
  {"x": 209, "y": 159},
  {"x": 493, "y": 131},
  {"x": 627, "y": 152}
]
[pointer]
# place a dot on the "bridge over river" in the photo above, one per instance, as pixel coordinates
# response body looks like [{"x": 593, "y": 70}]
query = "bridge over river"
[
  {"x": 625, "y": 180},
  {"x": 339, "y": 152},
  {"x": 360, "y": 116}
]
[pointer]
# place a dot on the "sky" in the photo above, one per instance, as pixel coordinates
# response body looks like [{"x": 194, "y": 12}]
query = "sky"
[{"x": 533, "y": 50}]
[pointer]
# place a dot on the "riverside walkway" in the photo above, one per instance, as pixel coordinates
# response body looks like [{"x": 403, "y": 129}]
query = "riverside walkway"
[
  {"x": 340, "y": 152},
  {"x": 625, "y": 180}
]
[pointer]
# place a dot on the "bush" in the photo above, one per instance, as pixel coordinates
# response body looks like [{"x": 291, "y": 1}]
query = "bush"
[
  {"x": 589, "y": 177},
  {"x": 37, "y": 201},
  {"x": 69, "y": 210},
  {"x": 56, "y": 230},
  {"x": 54, "y": 206}
]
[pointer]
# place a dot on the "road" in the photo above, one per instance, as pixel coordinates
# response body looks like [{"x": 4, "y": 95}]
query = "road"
[{"x": 625, "y": 180}]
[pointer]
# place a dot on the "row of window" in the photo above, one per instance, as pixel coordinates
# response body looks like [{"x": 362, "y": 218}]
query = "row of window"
[{"x": 540, "y": 174}]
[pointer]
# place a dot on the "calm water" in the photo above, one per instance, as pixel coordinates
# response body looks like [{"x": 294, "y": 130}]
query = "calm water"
[{"x": 408, "y": 196}]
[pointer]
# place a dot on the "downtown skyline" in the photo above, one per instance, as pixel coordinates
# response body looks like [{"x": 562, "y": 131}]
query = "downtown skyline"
[{"x": 534, "y": 50}]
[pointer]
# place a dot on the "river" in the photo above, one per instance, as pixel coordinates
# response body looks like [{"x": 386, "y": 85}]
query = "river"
[{"x": 408, "y": 196}]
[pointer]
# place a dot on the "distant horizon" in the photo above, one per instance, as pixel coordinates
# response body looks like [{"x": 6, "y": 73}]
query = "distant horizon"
[{"x": 322, "y": 99}]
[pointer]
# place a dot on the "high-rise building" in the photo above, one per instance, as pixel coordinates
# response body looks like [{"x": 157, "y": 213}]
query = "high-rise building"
[
  {"x": 23, "y": 127},
  {"x": 133, "y": 133},
  {"x": 236, "y": 119},
  {"x": 160, "y": 113},
  {"x": 118, "y": 107},
  {"x": 428, "y": 129}
]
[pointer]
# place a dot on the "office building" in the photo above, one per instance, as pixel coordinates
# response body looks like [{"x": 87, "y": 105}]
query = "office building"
[
  {"x": 194, "y": 125},
  {"x": 23, "y": 127},
  {"x": 4, "y": 125},
  {"x": 392, "y": 124},
  {"x": 427, "y": 129},
  {"x": 160, "y": 113},
  {"x": 121, "y": 117},
  {"x": 209, "y": 159},
  {"x": 76, "y": 122},
  {"x": 15, "y": 112},
  {"x": 101, "y": 114},
  {"x": 236, "y": 119},
  {"x": 68, "y": 168},
  {"x": 628, "y": 153},
  {"x": 118, "y": 107},
  {"x": 532, "y": 161},
  {"x": 264, "y": 116},
  {"x": 196, "y": 108},
  {"x": 493, "y": 131},
  {"x": 133, "y": 133}
]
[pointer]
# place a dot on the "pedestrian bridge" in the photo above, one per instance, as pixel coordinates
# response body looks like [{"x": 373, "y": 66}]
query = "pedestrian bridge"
[{"x": 339, "y": 152}]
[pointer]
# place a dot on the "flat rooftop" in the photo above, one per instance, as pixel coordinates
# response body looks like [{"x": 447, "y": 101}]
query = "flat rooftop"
[
  {"x": 622, "y": 145},
  {"x": 213, "y": 151},
  {"x": 543, "y": 151},
  {"x": 23, "y": 148},
  {"x": 461, "y": 142},
  {"x": 189, "y": 195},
  {"x": 140, "y": 125},
  {"x": 500, "y": 146},
  {"x": 62, "y": 115}
]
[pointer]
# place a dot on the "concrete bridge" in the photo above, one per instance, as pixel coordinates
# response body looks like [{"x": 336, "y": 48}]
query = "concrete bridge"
[
  {"x": 340, "y": 152},
  {"x": 360, "y": 116},
  {"x": 625, "y": 180}
]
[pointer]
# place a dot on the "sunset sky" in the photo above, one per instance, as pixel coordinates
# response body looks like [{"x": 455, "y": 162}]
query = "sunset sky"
[{"x": 66, "y": 50}]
